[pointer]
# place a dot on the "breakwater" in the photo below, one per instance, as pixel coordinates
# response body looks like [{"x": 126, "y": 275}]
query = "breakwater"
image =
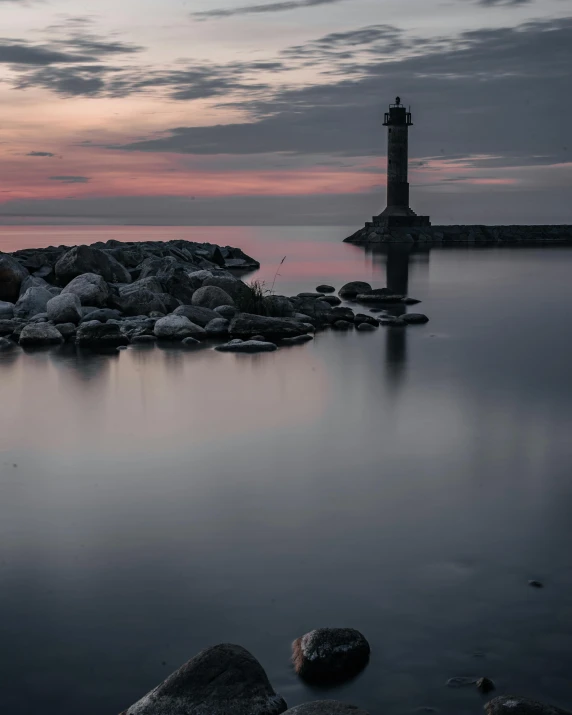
[{"x": 464, "y": 234}]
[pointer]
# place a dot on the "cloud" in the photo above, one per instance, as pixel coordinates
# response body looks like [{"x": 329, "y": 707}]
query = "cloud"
[
  {"x": 70, "y": 179},
  {"x": 261, "y": 8},
  {"x": 40, "y": 153},
  {"x": 497, "y": 3}
]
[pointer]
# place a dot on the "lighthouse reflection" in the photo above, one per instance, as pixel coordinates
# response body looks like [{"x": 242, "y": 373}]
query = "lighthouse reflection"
[{"x": 398, "y": 262}]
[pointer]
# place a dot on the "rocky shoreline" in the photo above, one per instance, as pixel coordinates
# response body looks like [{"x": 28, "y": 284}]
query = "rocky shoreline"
[
  {"x": 373, "y": 233},
  {"x": 109, "y": 295}
]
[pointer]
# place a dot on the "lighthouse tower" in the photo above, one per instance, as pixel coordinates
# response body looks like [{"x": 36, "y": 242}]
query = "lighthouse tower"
[{"x": 398, "y": 214}]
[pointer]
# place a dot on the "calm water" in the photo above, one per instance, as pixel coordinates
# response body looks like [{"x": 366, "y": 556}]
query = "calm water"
[{"x": 408, "y": 484}]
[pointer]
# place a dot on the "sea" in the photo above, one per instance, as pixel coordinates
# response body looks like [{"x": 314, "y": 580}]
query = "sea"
[{"x": 408, "y": 483}]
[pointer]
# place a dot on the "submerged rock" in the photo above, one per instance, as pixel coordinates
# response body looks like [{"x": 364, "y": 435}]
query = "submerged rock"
[
  {"x": 100, "y": 335},
  {"x": 326, "y": 707},
  {"x": 247, "y": 324},
  {"x": 350, "y": 290},
  {"x": 330, "y": 655},
  {"x": 40, "y": 334},
  {"x": 415, "y": 318},
  {"x": 366, "y": 327},
  {"x": 298, "y": 340},
  {"x": 516, "y": 705},
  {"x": 191, "y": 342},
  {"x": 247, "y": 346},
  {"x": 222, "y": 680},
  {"x": 485, "y": 685},
  {"x": 342, "y": 325}
]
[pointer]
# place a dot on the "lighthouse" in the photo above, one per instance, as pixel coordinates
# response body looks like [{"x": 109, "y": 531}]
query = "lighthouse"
[{"x": 398, "y": 214}]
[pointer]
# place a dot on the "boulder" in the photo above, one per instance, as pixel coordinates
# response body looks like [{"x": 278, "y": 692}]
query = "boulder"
[
  {"x": 325, "y": 289},
  {"x": 218, "y": 681},
  {"x": 33, "y": 301},
  {"x": 12, "y": 274},
  {"x": 6, "y": 310},
  {"x": 226, "y": 311},
  {"x": 152, "y": 265},
  {"x": 7, "y": 326},
  {"x": 332, "y": 300},
  {"x": 66, "y": 330},
  {"x": 517, "y": 705},
  {"x": 6, "y": 345},
  {"x": 246, "y": 324},
  {"x": 200, "y": 316},
  {"x": 218, "y": 326},
  {"x": 247, "y": 346},
  {"x": 64, "y": 309},
  {"x": 326, "y": 707},
  {"x": 176, "y": 282},
  {"x": 102, "y": 314},
  {"x": 191, "y": 342},
  {"x": 232, "y": 286},
  {"x": 151, "y": 283},
  {"x": 169, "y": 301},
  {"x": 366, "y": 327},
  {"x": 330, "y": 655},
  {"x": 139, "y": 302},
  {"x": 415, "y": 318},
  {"x": 177, "y": 327},
  {"x": 362, "y": 318},
  {"x": 211, "y": 297},
  {"x": 94, "y": 334},
  {"x": 40, "y": 334},
  {"x": 90, "y": 288},
  {"x": 278, "y": 306},
  {"x": 199, "y": 277},
  {"x": 317, "y": 311},
  {"x": 350, "y": 290},
  {"x": 85, "y": 259}
]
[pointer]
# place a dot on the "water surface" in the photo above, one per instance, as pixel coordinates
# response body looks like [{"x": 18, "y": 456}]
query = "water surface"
[{"x": 406, "y": 483}]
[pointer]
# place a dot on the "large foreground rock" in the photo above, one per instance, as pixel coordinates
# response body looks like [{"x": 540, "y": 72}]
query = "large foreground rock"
[
  {"x": 94, "y": 334},
  {"x": 516, "y": 705},
  {"x": 223, "y": 680},
  {"x": 177, "y": 327},
  {"x": 85, "y": 259},
  {"x": 330, "y": 655},
  {"x": 64, "y": 309},
  {"x": 33, "y": 301},
  {"x": 11, "y": 276},
  {"x": 211, "y": 297},
  {"x": 90, "y": 288},
  {"x": 40, "y": 334},
  {"x": 326, "y": 707},
  {"x": 247, "y": 324}
]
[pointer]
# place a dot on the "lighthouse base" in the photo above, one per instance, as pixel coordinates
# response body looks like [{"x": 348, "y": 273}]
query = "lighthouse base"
[{"x": 398, "y": 217}]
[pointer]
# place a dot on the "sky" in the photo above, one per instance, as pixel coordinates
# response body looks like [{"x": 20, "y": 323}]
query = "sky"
[{"x": 237, "y": 112}]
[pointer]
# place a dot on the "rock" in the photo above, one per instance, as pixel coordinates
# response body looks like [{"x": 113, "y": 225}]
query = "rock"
[
  {"x": 200, "y": 316},
  {"x": 366, "y": 327},
  {"x": 325, "y": 289},
  {"x": 190, "y": 342},
  {"x": 415, "y": 318},
  {"x": 278, "y": 306},
  {"x": 350, "y": 290},
  {"x": 156, "y": 314},
  {"x": 36, "y": 282},
  {"x": 237, "y": 290},
  {"x": 151, "y": 283},
  {"x": 536, "y": 584},
  {"x": 85, "y": 259},
  {"x": 7, "y": 327},
  {"x": 516, "y": 705},
  {"x": 298, "y": 340},
  {"x": 6, "y": 310},
  {"x": 342, "y": 325},
  {"x": 90, "y": 288},
  {"x": 332, "y": 300},
  {"x": 411, "y": 301},
  {"x": 198, "y": 278},
  {"x": 177, "y": 327},
  {"x": 211, "y": 297},
  {"x": 341, "y": 313},
  {"x": 40, "y": 334},
  {"x": 39, "y": 318},
  {"x": 12, "y": 274},
  {"x": 33, "y": 301},
  {"x": 247, "y": 346},
  {"x": 64, "y": 309},
  {"x": 102, "y": 314},
  {"x": 100, "y": 335},
  {"x": 330, "y": 655},
  {"x": 311, "y": 296},
  {"x": 176, "y": 282},
  {"x": 225, "y": 311},
  {"x": 326, "y": 707},
  {"x": 221, "y": 680},
  {"x": 139, "y": 302},
  {"x": 316, "y": 311},
  {"x": 485, "y": 685},
  {"x": 260, "y": 338},
  {"x": 142, "y": 339},
  {"x": 361, "y": 318},
  {"x": 169, "y": 301},
  {"x": 153, "y": 264},
  {"x": 66, "y": 330},
  {"x": 392, "y": 321},
  {"x": 218, "y": 326},
  {"x": 461, "y": 682},
  {"x": 378, "y": 298},
  {"x": 245, "y": 324},
  {"x": 6, "y": 345}
]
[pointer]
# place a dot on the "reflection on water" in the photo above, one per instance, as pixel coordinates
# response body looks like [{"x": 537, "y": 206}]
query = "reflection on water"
[{"x": 406, "y": 482}]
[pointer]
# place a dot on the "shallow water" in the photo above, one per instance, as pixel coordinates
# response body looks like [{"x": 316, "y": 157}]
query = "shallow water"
[{"x": 406, "y": 483}]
